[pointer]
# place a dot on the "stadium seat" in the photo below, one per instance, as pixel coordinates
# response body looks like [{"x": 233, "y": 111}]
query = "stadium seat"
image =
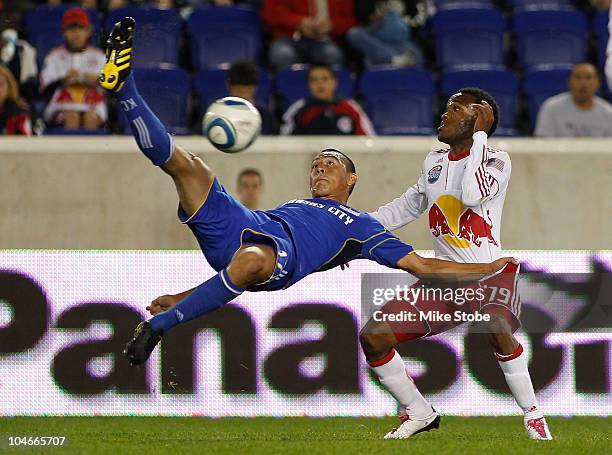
[
  {"x": 167, "y": 92},
  {"x": 292, "y": 85},
  {"x": 43, "y": 26},
  {"x": 211, "y": 84},
  {"x": 539, "y": 85},
  {"x": 462, "y": 4},
  {"x": 550, "y": 37},
  {"x": 158, "y": 34},
  {"x": 223, "y": 35},
  {"x": 516, "y": 4},
  {"x": 469, "y": 36},
  {"x": 500, "y": 83},
  {"x": 399, "y": 101},
  {"x": 600, "y": 30}
]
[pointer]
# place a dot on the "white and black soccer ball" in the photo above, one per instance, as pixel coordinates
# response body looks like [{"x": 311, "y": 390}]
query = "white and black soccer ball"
[{"x": 231, "y": 124}]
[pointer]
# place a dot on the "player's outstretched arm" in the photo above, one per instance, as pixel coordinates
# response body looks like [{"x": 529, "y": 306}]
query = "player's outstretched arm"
[{"x": 447, "y": 270}]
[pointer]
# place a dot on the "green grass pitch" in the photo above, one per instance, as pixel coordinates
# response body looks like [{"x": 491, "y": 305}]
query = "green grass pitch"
[{"x": 306, "y": 436}]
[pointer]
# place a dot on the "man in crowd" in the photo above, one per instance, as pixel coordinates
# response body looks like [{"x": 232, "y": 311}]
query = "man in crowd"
[
  {"x": 324, "y": 112},
  {"x": 579, "y": 112}
]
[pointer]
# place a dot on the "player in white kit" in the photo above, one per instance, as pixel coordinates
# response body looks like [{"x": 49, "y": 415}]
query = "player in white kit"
[{"x": 463, "y": 190}]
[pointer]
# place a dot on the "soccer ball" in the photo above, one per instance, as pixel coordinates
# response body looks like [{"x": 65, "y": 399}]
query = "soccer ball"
[{"x": 231, "y": 124}]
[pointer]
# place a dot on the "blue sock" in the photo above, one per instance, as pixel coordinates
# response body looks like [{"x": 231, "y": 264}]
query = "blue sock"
[
  {"x": 150, "y": 134},
  {"x": 209, "y": 296}
]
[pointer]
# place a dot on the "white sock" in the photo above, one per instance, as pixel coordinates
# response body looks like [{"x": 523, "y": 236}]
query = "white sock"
[
  {"x": 393, "y": 376},
  {"x": 517, "y": 376}
]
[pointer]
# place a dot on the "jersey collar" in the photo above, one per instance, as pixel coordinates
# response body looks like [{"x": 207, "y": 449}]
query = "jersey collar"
[{"x": 462, "y": 155}]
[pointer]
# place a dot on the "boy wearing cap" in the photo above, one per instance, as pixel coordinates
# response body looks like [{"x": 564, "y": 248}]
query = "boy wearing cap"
[{"x": 69, "y": 77}]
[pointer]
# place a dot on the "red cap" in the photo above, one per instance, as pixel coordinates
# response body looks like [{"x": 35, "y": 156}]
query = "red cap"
[{"x": 75, "y": 16}]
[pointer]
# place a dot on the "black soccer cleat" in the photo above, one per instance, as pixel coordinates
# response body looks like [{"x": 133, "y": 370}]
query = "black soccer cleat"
[
  {"x": 118, "y": 55},
  {"x": 139, "y": 348}
]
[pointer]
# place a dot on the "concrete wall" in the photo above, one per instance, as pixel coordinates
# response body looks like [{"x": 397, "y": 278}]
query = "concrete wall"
[{"x": 101, "y": 193}]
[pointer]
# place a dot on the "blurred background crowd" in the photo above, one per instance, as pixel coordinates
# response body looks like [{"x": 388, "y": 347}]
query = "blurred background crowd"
[{"x": 359, "y": 67}]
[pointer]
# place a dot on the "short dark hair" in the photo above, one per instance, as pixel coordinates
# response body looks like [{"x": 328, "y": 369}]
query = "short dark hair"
[
  {"x": 481, "y": 95},
  {"x": 243, "y": 72},
  {"x": 350, "y": 166},
  {"x": 249, "y": 171},
  {"x": 324, "y": 66}
]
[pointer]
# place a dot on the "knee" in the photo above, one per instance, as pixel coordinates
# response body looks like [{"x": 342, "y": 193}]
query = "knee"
[
  {"x": 329, "y": 54},
  {"x": 498, "y": 326},
  {"x": 282, "y": 54},
  {"x": 376, "y": 344},
  {"x": 252, "y": 265}
]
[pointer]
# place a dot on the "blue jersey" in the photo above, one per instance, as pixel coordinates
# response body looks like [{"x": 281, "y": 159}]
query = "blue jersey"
[
  {"x": 326, "y": 234},
  {"x": 308, "y": 235}
]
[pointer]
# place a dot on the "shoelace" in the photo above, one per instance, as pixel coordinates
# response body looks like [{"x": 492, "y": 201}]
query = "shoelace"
[{"x": 538, "y": 426}]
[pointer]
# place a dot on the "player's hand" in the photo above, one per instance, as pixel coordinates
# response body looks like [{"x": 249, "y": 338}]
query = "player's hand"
[
  {"x": 501, "y": 263},
  {"x": 162, "y": 303},
  {"x": 344, "y": 266},
  {"x": 484, "y": 116}
]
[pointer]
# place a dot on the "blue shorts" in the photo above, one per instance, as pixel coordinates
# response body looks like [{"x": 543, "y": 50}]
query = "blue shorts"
[{"x": 222, "y": 224}]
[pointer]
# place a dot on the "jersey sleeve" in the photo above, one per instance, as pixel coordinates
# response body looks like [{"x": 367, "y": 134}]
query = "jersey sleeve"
[
  {"x": 403, "y": 209},
  {"x": 486, "y": 174},
  {"x": 383, "y": 247}
]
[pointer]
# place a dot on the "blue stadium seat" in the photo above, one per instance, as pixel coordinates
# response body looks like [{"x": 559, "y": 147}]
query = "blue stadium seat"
[
  {"x": 469, "y": 36},
  {"x": 550, "y": 37},
  {"x": 43, "y": 26},
  {"x": 516, "y": 4},
  {"x": 292, "y": 85},
  {"x": 541, "y": 84},
  {"x": 223, "y": 35},
  {"x": 158, "y": 34},
  {"x": 600, "y": 30},
  {"x": 167, "y": 92},
  {"x": 211, "y": 85},
  {"x": 399, "y": 101},
  {"x": 462, "y": 4},
  {"x": 500, "y": 83}
]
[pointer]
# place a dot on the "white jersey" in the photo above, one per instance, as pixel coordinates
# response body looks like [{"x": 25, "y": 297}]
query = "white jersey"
[{"x": 464, "y": 197}]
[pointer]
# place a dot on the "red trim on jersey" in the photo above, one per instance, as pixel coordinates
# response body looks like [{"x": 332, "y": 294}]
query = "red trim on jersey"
[
  {"x": 514, "y": 355},
  {"x": 462, "y": 155},
  {"x": 385, "y": 359}
]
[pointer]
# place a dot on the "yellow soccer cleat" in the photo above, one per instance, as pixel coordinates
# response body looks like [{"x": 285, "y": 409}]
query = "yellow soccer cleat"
[{"x": 118, "y": 55}]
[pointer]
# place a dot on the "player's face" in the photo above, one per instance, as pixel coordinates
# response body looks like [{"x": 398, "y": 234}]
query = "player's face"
[
  {"x": 329, "y": 177},
  {"x": 584, "y": 82},
  {"x": 322, "y": 84},
  {"x": 249, "y": 190},
  {"x": 76, "y": 37},
  {"x": 458, "y": 120}
]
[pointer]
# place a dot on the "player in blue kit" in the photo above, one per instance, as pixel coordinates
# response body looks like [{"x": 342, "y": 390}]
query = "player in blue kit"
[{"x": 254, "y": 250}]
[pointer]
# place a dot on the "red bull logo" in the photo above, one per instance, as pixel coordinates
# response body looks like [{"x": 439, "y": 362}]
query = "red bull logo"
[{"x": 458, "y": 225}]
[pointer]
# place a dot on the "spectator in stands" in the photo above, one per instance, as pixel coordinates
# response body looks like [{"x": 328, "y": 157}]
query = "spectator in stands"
[
  {"x": 14, "y": 117},
  {"x": 307, "y": 31},
  {"x": 242, "y": 79},
  {"x": 577, "y": 113},
  {"x": 70, "y": 76},
  {"x": 20, "y": 57},
  {"x": 383, "y": 37},
  {"x": 323, "y": 112},
  {"x": 250, "y": 188}
]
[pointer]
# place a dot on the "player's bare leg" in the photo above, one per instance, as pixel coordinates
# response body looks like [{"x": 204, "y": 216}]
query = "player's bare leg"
[
  {"x": 378, "y": 343},
  {"x": 513, "y": 362}
]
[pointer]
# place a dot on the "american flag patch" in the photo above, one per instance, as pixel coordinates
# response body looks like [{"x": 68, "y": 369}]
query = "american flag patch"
[{"x": 496, "y": 163}]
